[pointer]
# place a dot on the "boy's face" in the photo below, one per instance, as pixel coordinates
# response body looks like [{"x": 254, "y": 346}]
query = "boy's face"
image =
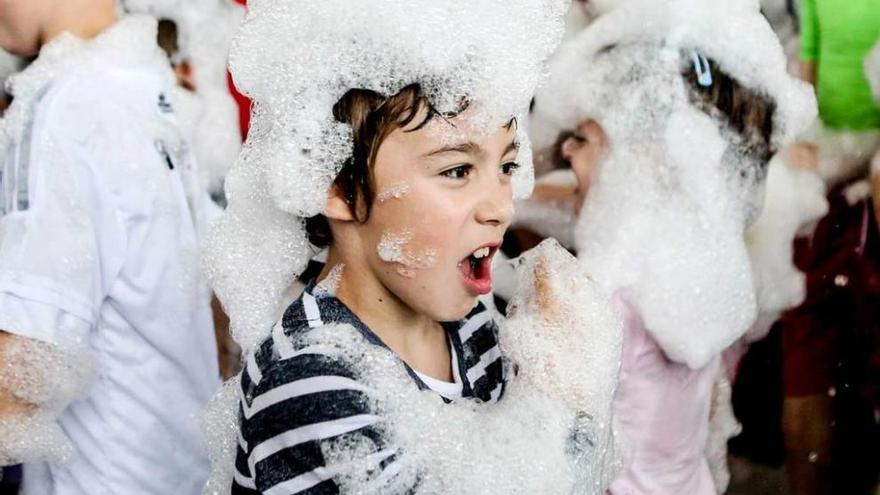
[
  {"x": 20, "y": 25},
  {"x": 443, "y": 202}
]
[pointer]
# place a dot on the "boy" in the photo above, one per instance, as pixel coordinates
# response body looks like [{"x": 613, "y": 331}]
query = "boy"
[
  {"x": 400, "y": 150},
  {"x": 99, "y": 256}
]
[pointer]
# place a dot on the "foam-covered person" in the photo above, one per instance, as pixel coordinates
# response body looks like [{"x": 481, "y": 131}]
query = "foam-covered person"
[
  {"x": 691, "y": 115},
  {"x": 399, "y": 151},
  {"x": 106, "y": 341}
]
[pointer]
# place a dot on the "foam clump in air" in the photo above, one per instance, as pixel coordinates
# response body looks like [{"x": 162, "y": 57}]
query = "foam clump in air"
[
  {"x": 44, "y": 379},
  {"x": 674, "y": 195},
  {"x": 551, "y": 432}
]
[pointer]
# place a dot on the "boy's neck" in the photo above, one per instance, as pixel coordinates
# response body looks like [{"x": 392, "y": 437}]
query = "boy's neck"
[
  {"x": 404, "y": 330},
  {"x": 69, "y": 17}
]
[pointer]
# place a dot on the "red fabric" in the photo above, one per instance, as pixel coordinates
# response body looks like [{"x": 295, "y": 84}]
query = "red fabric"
[
  {"x": 244, "y": 103},
  {"x": 244, "y": 107},
  {"x": 835, "y": 330}
]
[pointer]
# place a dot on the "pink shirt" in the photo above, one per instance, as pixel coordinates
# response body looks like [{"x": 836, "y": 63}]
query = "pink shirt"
[{"x": 662, "y": 410}]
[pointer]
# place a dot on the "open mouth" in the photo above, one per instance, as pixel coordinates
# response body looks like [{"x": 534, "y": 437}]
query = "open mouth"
[{"x": 476, "y": 269}]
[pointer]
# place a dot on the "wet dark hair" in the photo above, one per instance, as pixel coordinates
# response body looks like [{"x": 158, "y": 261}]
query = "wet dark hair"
[
  {"x": 167, "y": 37},
  {"x": 372, "y": 117},
  {"x": 746, "y": 112}
]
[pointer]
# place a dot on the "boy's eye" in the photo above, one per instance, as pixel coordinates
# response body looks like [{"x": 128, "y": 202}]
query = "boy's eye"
[
  {"x": 459, "y": 172},
  {"x": 509, "y": 168}
]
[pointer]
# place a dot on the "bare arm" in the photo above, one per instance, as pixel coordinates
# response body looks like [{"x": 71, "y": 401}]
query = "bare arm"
[
  {"x": 228, "y": 352},
  {"x": 808, "y": 71}
]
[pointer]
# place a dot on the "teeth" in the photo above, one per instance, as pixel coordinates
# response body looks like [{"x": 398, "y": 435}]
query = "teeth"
[{"x": 481, "y": 253}]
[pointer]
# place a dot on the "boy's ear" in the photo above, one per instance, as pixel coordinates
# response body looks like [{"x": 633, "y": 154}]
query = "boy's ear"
[{"x": 336, "y": 207}]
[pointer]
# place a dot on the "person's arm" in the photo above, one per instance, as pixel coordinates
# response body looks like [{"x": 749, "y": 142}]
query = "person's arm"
[
  {"x": 564, "y": 338},
  {"x": 808, "y": 71},
  {"x": 809, "y": 40},
  {"x": 10, "y": 405},
  {"x": 37, "y": 380}
]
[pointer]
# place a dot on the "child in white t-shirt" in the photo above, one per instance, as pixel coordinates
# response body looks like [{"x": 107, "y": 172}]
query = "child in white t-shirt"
[{"x": 99, "y": 260}]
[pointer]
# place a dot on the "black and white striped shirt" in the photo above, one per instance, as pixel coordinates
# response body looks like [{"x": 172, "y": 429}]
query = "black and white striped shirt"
[{"x": 295, "y": 397}]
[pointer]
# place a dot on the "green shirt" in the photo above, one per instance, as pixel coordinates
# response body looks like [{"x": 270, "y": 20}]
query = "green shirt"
[{"x": 837, "y": 35}]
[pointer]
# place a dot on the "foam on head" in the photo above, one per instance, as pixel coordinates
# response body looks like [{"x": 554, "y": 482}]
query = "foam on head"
[
  {"x": 664, "y": 221},
  {"x": 296, "y": 59},
  {"x": 733, "y": 33}
]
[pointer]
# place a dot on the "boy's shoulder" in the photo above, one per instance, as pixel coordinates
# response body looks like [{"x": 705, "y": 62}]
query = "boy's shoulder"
[{"x": 287, "y": 354}]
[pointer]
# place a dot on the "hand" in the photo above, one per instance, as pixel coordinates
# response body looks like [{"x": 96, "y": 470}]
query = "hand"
[{"x": 543, "y": 333}]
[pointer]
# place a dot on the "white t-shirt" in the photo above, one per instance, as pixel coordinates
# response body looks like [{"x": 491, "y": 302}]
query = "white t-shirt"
[
  {"x": 450, "y": 390},
  {"x": 100, "y": 244}
]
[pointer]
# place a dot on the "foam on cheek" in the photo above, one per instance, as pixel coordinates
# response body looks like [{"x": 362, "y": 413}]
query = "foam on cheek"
[
  {"x": 394, "y": 248},
  {"x": 396, "y": 191}
]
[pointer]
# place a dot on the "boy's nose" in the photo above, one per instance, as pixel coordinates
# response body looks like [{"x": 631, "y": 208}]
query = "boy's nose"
[{"x": 496, "y": 211}]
